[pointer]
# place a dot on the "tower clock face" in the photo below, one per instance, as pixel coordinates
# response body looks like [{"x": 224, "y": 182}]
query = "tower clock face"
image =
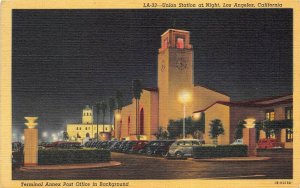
[{"x": 181, "y": 63}]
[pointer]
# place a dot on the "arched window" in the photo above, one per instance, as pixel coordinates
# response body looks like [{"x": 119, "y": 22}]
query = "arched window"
[
  {"x": 128, "y": 125},
  {"x": 180, "y": 43},
  {"x": 142, "y": 121}
]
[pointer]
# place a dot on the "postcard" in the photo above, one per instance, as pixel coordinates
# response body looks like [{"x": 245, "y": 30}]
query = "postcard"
[{"x": 149, "y": 93}]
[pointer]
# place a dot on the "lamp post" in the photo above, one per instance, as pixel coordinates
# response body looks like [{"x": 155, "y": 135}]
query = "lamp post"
[
  {"x": 184, "y": 97},
  {"x": 30, "y": 142},
  {"x": 249, "y": 136}
]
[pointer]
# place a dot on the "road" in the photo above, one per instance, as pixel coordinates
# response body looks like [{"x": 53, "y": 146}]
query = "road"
[{"x": 147, "y": 167}]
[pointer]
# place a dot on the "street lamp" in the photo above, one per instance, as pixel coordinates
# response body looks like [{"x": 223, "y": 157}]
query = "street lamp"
[
  {"x": 250, "y": 123},
  {"x": 184, "y": 97},
  {"x": 45, "y": 135}
]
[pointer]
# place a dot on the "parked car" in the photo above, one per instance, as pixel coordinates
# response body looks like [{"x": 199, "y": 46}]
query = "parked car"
[
  {"x": 121, "y": 146},
  {"x": 138, "y": 146},
  {"x": 151, "y": 147},
  {"x": 63, "y": 145},
  {"x": 183, "y": 148},
  {"x": 102, "y": 145},
  {"x": 111, "y": 144},
  {"x": 17, "y": 154},
  {"x": 269, "y": 143},
  {"x": 163, "y": 147},
  {"x": 129, "y": 145},
  {"x": 116, "y": 146},
  {"x": 237, "y": 142}
]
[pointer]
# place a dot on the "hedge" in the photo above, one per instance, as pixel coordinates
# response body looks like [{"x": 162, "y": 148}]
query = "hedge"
[
  {"x": 220, "y": 151},
  {"x": 69, "y": 156}
]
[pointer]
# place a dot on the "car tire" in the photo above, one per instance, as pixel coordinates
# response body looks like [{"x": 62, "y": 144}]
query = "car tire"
[
  {"x": 165, "y": 154},
  {"x": 149, "y": 152},
  {"x": 179, "y": 155}
]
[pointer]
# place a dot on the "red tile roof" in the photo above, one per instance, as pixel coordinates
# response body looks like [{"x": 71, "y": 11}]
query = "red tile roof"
[{"x": 253, "y": 103}]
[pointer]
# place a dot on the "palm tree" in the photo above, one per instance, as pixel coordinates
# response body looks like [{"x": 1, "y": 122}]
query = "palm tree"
[
  {"x": 97, "y": 112},
  {"x": 137, "y": 91},
  {"x": 216, "y": 129},
  {"x": 119, "y": 100},
  {"x": 103, "y": 107},
  {"x": 112, "y": 106}
]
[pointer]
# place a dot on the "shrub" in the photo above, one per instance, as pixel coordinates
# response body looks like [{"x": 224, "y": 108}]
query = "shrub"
[
  {"x": 220, "y": 151},
  {"x": 69, "y": 156}
]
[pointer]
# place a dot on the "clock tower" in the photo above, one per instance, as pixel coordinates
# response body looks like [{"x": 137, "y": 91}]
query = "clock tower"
[{"x": 175, "y": 75}]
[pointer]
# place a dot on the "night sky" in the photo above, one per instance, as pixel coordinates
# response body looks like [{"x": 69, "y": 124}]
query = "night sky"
[{"x": 65, "y": 59}]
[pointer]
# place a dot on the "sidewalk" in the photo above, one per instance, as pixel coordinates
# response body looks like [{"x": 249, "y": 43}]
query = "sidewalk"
[
  {"x": 71, "y": 166},
  {"x": 233, "y": 159}
]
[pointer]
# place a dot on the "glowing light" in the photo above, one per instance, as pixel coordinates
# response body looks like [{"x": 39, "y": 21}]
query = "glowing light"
[
  {"x": 22, "y": 137},
  {"x": 196, "y": 116},
  {"x": 118, "y": 116},
  {"x": 184, "y": 97},
  {"x": 31, "y": 122},
  {"x": 250, "y": 123},
  {"x": 45, "y": 134}
]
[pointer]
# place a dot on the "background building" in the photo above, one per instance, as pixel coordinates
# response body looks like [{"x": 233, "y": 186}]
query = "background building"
[{"x": 87, "y": 129}]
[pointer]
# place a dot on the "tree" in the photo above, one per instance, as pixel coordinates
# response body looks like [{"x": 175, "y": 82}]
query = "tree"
[
  {"x": 174, "y": 128},
  {"x": 65, "y": 136},
  {"x": 97, "y": 119},
  {"x": 161, "y": 134},
  {"x": 198, "y": 126},
  {"x": 112, "y": 107},
  {"x": 103, "y": 107},
  {"x": 238, "y": 134},
  {"x": 137, "y": 91},
  {"x": 119, "y": 100},
  {"x": 216, "y": 129}
]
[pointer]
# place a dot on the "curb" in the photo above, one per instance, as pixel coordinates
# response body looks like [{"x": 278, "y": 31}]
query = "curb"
[
  {"x": 71, "y": 166},
  {"x": 232, "y": 159}
]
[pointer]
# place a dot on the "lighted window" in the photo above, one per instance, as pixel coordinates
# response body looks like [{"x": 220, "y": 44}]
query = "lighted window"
[
  {"x": 288, "y": 113},
  {"x": 180, "y": 43},
  {"x": 289, "y": 135},
  {"x": 270, "y": 115}
]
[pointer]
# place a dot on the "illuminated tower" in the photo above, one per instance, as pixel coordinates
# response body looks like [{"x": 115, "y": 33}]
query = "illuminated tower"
[
  {"x": 175, "y": 74},
  {"x": 87, "y": 115}
]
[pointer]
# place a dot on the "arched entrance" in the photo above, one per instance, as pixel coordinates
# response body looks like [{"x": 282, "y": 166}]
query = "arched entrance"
[
  {"x": 87, "y": 135},
  {"x": 142, "y": 121}
]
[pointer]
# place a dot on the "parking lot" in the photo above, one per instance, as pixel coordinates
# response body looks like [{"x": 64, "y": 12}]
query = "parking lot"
[{"x": 136, "y": 166}]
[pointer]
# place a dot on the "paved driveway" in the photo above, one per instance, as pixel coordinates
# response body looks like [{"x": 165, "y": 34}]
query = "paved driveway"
[{"x": 145, "y": 167}]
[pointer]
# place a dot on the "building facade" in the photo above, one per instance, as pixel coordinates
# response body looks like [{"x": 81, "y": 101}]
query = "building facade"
[
  {"x": 175, "y": 81},
  {"x": 87, "y": 128},
  {"x": 177, "y": 96},
  {"x": 277, "y": 112}
]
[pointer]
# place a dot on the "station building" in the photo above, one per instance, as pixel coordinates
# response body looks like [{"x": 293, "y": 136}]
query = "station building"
[{"x": 177, "y": 92}]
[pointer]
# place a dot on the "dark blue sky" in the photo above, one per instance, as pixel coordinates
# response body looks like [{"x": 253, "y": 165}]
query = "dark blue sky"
[{"x": 64, "y": 59}]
